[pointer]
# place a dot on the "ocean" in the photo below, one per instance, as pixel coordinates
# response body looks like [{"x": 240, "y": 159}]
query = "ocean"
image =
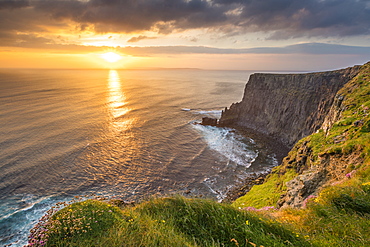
[{"x": 126, "y": 134}]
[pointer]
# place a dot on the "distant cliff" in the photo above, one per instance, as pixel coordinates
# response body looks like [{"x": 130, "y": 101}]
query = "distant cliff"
[{"x": 287, "y": 107}]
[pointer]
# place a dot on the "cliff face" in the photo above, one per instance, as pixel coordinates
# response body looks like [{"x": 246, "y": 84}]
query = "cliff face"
[
  {"x": 339, "y": 148},
  {"x": 287, "y": 107}
]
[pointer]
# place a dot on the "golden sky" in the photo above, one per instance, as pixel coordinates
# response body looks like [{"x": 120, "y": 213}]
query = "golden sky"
[{"x": 206, "y": 34}]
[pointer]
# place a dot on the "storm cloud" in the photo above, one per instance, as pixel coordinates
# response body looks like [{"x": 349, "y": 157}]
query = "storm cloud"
[{"x": 282, "y": 18}]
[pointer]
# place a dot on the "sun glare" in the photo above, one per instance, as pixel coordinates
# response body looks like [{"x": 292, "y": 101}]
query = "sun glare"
[{"x": 111, "y": 57}]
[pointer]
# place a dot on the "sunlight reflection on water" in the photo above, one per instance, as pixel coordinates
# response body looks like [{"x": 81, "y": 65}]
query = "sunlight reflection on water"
[{"x": 116, "y": 102}]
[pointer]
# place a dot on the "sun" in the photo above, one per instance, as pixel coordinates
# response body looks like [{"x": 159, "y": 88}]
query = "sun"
[{"x": 111, "y": 57}]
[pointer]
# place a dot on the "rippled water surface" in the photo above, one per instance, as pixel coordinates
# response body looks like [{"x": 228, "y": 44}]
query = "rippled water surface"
[{"x": 116, "y": 133}]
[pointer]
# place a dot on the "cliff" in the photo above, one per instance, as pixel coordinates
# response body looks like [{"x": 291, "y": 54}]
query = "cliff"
[
  {"x": 337, "y": 151},
  {"x": 287, "y": 107}
]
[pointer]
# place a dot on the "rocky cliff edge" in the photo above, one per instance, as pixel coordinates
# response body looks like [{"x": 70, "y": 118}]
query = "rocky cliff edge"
[
  {"x": 335, "y": 114},
  {"x": 287, "y": 107}
]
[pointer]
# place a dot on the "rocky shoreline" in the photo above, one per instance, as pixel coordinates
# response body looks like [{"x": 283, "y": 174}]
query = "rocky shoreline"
[
  {"x": 245, "y": 186},
  {"x": 264, "y": 142}
]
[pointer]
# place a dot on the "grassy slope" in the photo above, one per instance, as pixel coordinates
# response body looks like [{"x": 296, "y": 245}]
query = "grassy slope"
[
  {"x": 339, "y": 216},
  {"x": 161, "y": 222}
]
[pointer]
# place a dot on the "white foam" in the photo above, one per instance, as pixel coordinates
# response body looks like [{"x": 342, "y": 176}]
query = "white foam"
[
  {"x": 210, "y": 113},
  {"x": 28, "y": 205},
  {"x": 215, "y": 113},
  {"x": 23, "y": 218},
  {"x": 229, "y": 144}
]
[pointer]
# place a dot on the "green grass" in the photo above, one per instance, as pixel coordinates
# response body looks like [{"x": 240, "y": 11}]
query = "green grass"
[
  {"x": 345, "y": 136},
  {"x": 174, "y": 221},
  {"x": 79, "y": 222},
  {"x": 340, "y": 216},
  {"x": 271, "y": 191}
]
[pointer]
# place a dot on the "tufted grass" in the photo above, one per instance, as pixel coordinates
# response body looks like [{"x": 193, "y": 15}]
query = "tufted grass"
[
  {"x": 174, "y": 221},
  {"x": 340, "y": 216}
]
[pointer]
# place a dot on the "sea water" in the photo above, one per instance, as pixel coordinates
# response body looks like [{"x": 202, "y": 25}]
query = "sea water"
[{"x": 117, "y": 133}]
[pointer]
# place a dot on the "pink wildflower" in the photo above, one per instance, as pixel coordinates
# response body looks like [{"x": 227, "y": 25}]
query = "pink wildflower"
[
  {"x": 307, "y": 199},
  {"x": 349, "y": 175},
  {"x": 260, "y": 209}
]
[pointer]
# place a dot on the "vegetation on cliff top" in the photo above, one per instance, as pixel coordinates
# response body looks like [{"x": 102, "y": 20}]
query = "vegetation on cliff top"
[
  {"x": 160, "y": 222},
  {"x": 338, "y": 216}
]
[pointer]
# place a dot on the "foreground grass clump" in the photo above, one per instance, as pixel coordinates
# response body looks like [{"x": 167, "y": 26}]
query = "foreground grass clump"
[
  {"x": 78, "y": 223},
  {"x": 207, "y": 223},
  {"x": 175, "y": 221},
  {"x": 339, "y": 216}
]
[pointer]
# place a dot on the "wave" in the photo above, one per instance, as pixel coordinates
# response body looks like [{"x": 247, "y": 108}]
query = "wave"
[
  {"x": 210, "y": 113},
  {"x": 26, "y": 203},
  {"x": 215, "y": 113},
  {"x": 21, "y": 212},
  {"x": 231, "y": 145}
]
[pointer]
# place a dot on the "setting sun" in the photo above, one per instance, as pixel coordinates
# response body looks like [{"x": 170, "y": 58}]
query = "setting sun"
[{"x": 111, "y": 57}]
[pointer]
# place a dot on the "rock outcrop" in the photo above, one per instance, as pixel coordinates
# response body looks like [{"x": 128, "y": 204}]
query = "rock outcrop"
[
  {"x": 287, "y": 107},
  {"x": 209, "y": 121},
  {"x": 329, "y": 169}
]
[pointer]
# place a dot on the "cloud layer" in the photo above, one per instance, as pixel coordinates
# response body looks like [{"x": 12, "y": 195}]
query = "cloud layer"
[
  {"x": 32, "y": 23},
  {"x": 283, "y": 18}
]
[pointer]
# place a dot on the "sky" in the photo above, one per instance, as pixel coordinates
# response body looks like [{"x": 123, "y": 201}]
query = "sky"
[{"x": 306, "y": 35}]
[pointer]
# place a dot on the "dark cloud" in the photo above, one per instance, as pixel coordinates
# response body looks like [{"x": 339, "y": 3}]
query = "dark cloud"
[
  {"x": 18, "y": 22},
  {"x": 13, "y": 4},
  {"x": 280, "y": 19},
  {"x": 135, "y": 15},
  {"x": 138, "y": 38},
  {"x": 287, "y": 18}
]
